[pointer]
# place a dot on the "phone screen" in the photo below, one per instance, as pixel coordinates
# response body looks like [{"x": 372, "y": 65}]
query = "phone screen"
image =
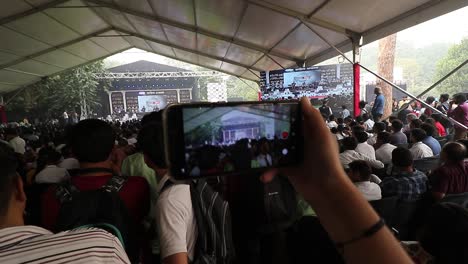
[{"x": 229, "y": 139}]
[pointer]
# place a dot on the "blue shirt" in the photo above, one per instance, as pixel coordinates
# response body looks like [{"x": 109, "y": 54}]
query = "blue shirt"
[
  {"x": 378, "y": 104},
  {"x": 406, "y": 185},
  {"x": 433, "y": 144}
]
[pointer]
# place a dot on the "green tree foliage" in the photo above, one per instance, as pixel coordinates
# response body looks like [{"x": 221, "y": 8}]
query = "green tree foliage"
[
  {"x": 458, "y": 82},
  {"x": 75, "y": 90}
]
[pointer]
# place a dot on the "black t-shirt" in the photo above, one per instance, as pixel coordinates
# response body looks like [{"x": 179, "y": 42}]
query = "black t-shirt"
[{"x": 325, "y": 110}]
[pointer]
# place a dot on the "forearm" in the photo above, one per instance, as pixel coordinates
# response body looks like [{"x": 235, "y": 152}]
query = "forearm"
[{"x": 345, "y": 214}]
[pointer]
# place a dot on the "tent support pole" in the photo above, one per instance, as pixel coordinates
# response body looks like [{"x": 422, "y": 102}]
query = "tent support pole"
[
  {"x": 413, "y": 97},
  {"x": 356, "y": 74}
]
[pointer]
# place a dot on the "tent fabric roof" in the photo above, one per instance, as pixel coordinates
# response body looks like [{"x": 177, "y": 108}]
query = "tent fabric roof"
[
  {"x": 145, "y": 66},
  {"x": 241, "y": 38}
]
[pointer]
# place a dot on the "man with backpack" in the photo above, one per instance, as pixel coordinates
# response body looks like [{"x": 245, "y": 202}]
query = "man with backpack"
[
  {"x": 187, "y": 234},
  {"x": 95, "y": 195}
]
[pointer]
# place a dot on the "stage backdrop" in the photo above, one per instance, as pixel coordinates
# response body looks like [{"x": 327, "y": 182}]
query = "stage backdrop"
[{"x": 334, "y": 82}]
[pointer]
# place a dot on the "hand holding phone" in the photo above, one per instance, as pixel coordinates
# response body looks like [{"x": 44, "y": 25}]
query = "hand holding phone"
[{"x": 216, "y": 139}]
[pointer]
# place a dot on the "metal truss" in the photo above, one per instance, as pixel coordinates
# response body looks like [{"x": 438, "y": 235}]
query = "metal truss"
[{"x": 155, "y": 75}]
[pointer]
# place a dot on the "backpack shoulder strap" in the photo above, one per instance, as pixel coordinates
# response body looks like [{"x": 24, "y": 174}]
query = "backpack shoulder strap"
[
  {"x": 114, "y": 184},
  {"x": 64, "y": 192}
]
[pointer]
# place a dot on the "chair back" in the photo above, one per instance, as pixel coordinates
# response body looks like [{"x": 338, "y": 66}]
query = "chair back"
[
  {"x": 385, "y": 207},
  {"x": 403, "y": 218},
  {"x": 405, "y": 145},
  {"x": 459, "y": 198},
  {"x": 427, "y": 165}
]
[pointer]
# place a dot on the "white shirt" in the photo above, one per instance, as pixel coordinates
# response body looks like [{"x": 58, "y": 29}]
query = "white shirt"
[
  {"x": 345, "y": 113},
  {"x": 175, "y": 219},
  {"x": 349, "y": 156},
  {"x": 370, "y": 190},
  {"x": 69, "y": 164},
  {"x": 332, "y": 124},
  {"x": 32, "y": 244},
  {"x": 384, "y": 153},
  {"x": 369, "y": 124},
  {"x": 18, "y": 144},
  {"x": 52, "y": 174},
  {"x": 366, "y": 149},
  {"x": 421, "y": 150}
]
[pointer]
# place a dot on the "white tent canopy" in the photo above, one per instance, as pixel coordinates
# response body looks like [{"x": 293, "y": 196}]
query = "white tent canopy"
[{"x": 241, "y": 38}]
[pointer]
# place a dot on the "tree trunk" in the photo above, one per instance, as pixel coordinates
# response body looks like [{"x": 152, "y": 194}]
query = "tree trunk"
[{"x": 385, "y": 64}]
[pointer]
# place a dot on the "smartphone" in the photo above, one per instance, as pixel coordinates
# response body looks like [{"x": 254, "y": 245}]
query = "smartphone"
[{"x": 217, "y": 139}]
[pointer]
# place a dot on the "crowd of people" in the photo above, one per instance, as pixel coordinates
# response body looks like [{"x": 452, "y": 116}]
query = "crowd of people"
[{"x": 54, "y": 177}]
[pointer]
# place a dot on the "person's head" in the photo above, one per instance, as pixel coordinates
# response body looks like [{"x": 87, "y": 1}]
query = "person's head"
[
  {"x": 12, "y": 195},
  {"x": 349, "y": 143},
  {"x": 402, "y": 158},
  {"x": 379, "y": 127},
  {"x": 343, "y": 107},
  {"x": 348, "y": 120},
  {"x": 340, "y": 120},
  {"x": 417, "y": 135},
  {"x": 365, "y": 117},
  {"x": 459, "y": 98},
  {"x": 453, "y": 152},
  {"x": 423, "y": 118},
  {"x": 325, "y": 102},
  {"x": 415, "y": 123},
  {"x": 10, "y": 133},
  {"x": 429, "y": 129},
  {"x": 383, "y": 137},
  {"x": 264, "y": 146},
  {"x": 444, "y": 98},
  {"x": 66, "y": 152},
  {"x": 444, "y": 234},
  {"x": 430, "y": 99},
  {"x": 397, "y": 125},
  {"x": 334, "y": 130},
  {"x": 361, "y": 136},
  {"x": 436, "y": 117},
  {"x": 362, "y": 104},
  {"x": 151, "y": 141},
  {"x": 430, "y": 121},
  {"x": 359, "y": 171},
  {"x": 332, "y": 118},
  {"x": 92, "y": 141},
  {"x": 49, "y": 155},
  {"x": 377, "y": 90},
  {"x": 410, "y": 117}
]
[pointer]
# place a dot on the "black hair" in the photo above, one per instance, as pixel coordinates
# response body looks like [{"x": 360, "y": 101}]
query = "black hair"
[
  {"x": 429, "y": 129},
  {"x": 349, "y": 143},
  {"x": 361, "y": 167},
  {"x": 430, "y": 99},
  {"x": 92, "y": 140},
  {"x": 422, "y": 117},
  {"x": 460, "y": 97},
  {"x": 402, "y": 157},
  {"x": 416, "y": 123},
  {"x": 455, "y": 151},
  {"x": 334, "y": 130},
  {"x": 445, "y": 233},
  {"x": 331, "y": 117},
  {"x": 361, "y": 136},
  {"x": 357, "y": 128},
  {"x": 343, "y": 106},
  {"x": 340, "y": 120},
  {"x": 379, "y": 127},
  {"x": 384, "y": 137},
  {"x": 445, "y": 97},
  {"x": 418, "y": 134},
  {"x": 397, "y": 125},
  {"x": 8, "y": 175},
  {"x": 151, "y": 139},
  {"x": 365, "y": 117},
  {"x": 362, "y": 104},
  {"x": 11, "y": 131}
]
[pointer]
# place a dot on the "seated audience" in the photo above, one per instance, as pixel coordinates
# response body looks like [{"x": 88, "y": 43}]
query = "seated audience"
[
  {"x": 349, "y": 155},
  {"x": 406, "y": 182},
  {"x": 368, "y": 122},
  {"x": 384, "y": 152},
  {"x": 32, "y": 244},
  {"x": 363, "y": 147},
  {"x": 419, "y": 150},
  {"x": 92, "y": 142},
  {"x": 48, "y": 172},
  {"x": 15, "y": 141},
  {"x": 452, "y": 176},
  {"x": 360, "y": 174},
  {"x": 440, "y": 128},
  {"x": 397, "y": 136},
  {"x": 332, "y": 121},
  {"x": 430, "y": 141},
  {"x": 378, "y": 127}
]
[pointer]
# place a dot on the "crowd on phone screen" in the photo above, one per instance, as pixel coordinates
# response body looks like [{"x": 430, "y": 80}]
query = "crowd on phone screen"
[{"x": 47, "y": 168}]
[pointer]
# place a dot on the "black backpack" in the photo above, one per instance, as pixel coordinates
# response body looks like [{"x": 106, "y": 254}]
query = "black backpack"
[
  {"x": 101, "y": 208},
  {"x": 214, "y": 242}
]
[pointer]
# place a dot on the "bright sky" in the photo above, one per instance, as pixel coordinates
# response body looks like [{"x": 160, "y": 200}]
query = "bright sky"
[{"x": 449, "y": 28}]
